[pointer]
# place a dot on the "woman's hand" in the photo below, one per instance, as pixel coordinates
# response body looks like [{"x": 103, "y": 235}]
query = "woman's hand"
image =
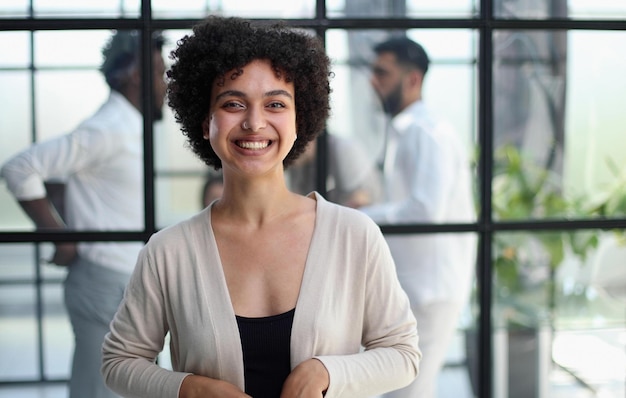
[
  {"x": 309, "y": 379},
  {"x": 204, "y": 387}
]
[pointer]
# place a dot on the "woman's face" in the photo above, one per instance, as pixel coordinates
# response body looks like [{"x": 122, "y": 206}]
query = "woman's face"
[{"x": 252, "y": 121}]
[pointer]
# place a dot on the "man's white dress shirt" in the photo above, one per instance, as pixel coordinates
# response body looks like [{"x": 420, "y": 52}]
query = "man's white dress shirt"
[
  {"x": 428, "y": 180},
  {"x": 101, "y": 163}
]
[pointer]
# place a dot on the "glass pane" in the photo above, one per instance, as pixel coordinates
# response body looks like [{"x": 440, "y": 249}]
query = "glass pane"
[
  {"x": 558, "y": 125},
  {"x": 35, "y": 390},
  {"x": 68, "y": 72},
  {"x": 352, "y": 177},
  {"x": 171, "y": 205},
  {"x": 559, "y": 9},
  {"x": 77, "y": 48},
  {"x": 15, "y": 49},
  {"x": 530, "y": 9},
  {"x": 61, "y": 101},
  {"x": 459, "y": 375},
  {"x": 68, "y": 94},
  {"x": 455, "y": 379},
  {"x": 597, "y": 9},
  {"x": 181, "y": 9},
  {"x": 276, "y": 9},
  {"x": 401, "y": 9},
  {"x": 559, "y": 313},
  {"x": 212, "y": 187},
  {"x": 17, "y": 262},
  {"x": 18, "y": 333},
  {"x": 13, "y": 218},
  {"x": 172, "y": 36},
  {"x": 14, "y": 8},
  {"x": 170, "y": 150},
  {"x": 15, "y": 124},
  {"x": 15, "y": 115},
  {"x": 177, "y": 168},
  {"x": 87, "y": 9},
  {"x": 595, "y": 165},
  {"x": 58, "y": 339},
  {"x": 268, "y": 9},
  {"x": 357, "y": 115},
  {"x": 438, "y": 273}
]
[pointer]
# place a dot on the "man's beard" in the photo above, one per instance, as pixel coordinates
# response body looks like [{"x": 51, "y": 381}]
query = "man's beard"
[{"x": 393, "y": 101}]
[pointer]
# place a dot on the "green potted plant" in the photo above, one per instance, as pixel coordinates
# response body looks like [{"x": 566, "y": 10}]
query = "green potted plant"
[{"x": 525, "y": 264}]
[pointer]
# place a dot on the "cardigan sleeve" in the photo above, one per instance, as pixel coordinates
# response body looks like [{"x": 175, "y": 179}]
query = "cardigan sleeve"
[
  {"x": 390, "y": 357},
  {"x": 136, "y": 337}
]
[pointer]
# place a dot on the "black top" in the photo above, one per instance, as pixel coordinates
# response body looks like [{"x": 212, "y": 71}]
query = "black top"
[{"x": 266, "y": 349}]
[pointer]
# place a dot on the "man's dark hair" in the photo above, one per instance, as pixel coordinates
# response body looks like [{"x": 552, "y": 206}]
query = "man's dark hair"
[
  {"x": 220, "y": 45},
  {"x": 407, "y": 52},
  {"x": 121, "y": 54}
]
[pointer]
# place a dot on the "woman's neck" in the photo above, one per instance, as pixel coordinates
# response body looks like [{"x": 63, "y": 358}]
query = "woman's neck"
[{"x": 255, "y": 202}]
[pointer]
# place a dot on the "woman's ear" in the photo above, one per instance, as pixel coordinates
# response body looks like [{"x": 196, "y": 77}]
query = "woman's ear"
[{"x": 206, "y": 124}]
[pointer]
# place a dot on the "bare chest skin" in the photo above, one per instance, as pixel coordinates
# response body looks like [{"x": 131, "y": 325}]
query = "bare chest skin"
[{"x": 264, "y": 265}]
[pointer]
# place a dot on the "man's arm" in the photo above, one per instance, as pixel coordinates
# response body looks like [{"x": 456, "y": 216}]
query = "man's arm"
[
  {"x": 43, "y": 213},
  {"x": 45, "y": 217}
]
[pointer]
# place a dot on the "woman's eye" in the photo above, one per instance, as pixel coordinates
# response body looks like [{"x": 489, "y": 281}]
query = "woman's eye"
[
  {"x": 276, "y": 105},
  {"x": 232, "y": 105}
]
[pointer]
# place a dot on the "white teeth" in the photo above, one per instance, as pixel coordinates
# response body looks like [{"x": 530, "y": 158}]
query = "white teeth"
[{"x": 253, "y": 144}]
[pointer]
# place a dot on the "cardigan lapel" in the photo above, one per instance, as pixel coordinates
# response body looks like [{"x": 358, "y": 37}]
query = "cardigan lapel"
[{"x": 303, "y": 338}]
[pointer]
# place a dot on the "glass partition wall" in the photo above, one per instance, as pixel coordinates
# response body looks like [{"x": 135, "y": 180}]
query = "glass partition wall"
[{"x": 534, "y": 90}]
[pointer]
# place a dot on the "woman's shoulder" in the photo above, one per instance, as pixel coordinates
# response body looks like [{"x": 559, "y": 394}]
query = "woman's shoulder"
[
  {"x": 343, "y": 216},
  {"x": 182, "y": 233}
]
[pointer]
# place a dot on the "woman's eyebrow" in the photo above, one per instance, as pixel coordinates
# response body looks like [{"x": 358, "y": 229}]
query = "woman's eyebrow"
[
  {"x": 278, "y": 92},
  {"x": 241, "y": 94},
  {"x": 229, "y": 93}
]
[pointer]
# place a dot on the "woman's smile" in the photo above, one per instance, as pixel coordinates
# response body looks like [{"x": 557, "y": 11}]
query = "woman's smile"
[{"x": 253, "y": 145}]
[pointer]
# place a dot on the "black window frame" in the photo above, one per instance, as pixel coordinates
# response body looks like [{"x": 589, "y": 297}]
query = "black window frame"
[{"x": 484, "y": 23}]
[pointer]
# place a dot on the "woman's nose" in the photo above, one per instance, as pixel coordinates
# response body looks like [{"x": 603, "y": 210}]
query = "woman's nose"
[{"x": 255, "y": 120}]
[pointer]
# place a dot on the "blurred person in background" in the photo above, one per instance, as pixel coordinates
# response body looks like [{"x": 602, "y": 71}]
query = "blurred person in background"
[
  {"x": 100, "y": 165},
  {"x": 352, "y": 180},
  {"x": 427, "y": 179},
  {"x": 212, "y": 189}
]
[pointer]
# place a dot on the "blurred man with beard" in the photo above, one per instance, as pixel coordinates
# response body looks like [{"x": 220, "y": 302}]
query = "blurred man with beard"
[{"x": 427, "y": 179}]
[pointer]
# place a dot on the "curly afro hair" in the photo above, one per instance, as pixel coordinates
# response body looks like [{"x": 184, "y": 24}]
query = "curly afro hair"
[{"x": 221, "y": 44}]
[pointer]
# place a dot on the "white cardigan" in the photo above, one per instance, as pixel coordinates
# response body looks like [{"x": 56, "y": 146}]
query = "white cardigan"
[{"x": 350, "y": 297}]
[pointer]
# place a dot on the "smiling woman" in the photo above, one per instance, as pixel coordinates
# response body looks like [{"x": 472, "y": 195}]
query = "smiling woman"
[
  {"x": 248, "y": 287},
  {"x": 253, "y": 117},
  {"x": 207, "y": 66},
  {"x": 554, "y": 62}
]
